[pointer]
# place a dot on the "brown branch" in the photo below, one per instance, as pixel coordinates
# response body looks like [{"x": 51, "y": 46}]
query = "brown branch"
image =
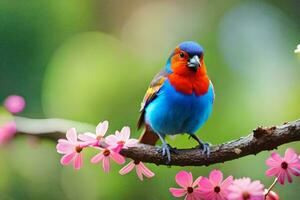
[{"x": 261, "y": 139}]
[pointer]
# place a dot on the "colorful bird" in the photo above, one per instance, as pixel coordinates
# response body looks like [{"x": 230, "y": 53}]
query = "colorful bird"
[{"x": 179, "y": 99}]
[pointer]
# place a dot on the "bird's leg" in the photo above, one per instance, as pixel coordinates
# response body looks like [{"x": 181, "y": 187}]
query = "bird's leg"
[
  {"x": 165, "y": 149},
  {"x": 204, "y": 146}
]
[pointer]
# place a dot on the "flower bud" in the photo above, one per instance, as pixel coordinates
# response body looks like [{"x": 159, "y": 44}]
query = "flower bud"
[
  {"x": 14, "y": 104},
  {"x": 271, "y": 195}
]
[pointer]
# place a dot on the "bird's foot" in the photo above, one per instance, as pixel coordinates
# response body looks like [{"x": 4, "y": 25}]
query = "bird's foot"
[
  {"x": 165, "y": 151},
  {"x": 205, "y": 148}
]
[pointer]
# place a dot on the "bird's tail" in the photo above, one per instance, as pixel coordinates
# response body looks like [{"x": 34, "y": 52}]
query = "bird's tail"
[{"x": 148, "y": 137}]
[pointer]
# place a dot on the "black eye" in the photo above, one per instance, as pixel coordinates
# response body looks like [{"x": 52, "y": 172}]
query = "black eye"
[{"x": 181, "y": 55}]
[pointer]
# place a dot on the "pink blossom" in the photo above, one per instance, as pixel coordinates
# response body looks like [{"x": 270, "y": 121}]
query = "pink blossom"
[
  {"x": 282, "y": 168},
  {"x": 14, "y": 104},
  {"x": 71, "y": 148},
  {"x": 121, "y": 139},
  {"x": 105, "y": 155},
  {"x": 7, "y": 132},
  {"x": 214, "y": 188},
  {"x": 244, "y": 189},
  {"x": 188, "y": 187},
  {"x": 94, "y": 139},
  {"x": 140, "y": 168}
]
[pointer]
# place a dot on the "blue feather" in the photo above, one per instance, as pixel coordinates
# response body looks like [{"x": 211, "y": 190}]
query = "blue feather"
[
  {"x": 172, "y": 112},
  {"x": 192, "y": 48}
]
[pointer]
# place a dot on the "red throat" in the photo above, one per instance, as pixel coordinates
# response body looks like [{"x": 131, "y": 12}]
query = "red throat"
[{"x": 187, "y": 80}]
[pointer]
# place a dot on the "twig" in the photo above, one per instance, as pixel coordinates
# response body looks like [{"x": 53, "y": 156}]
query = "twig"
[{"x": 271, "y": 187}]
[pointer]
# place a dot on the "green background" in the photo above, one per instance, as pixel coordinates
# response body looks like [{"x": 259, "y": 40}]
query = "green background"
[{"x": 93, "y": 60}]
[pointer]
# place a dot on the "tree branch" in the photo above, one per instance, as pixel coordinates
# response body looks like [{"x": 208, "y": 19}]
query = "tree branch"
[
  {"x": 52, "y": 129},
  {"x": 261, "y": 139}
]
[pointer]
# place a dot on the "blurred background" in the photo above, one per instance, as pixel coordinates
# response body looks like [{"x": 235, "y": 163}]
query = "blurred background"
[{"x": 93, "y": 60}]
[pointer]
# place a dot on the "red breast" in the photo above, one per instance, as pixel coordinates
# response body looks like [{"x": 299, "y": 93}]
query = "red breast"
[{"x": 187, "y": 80}]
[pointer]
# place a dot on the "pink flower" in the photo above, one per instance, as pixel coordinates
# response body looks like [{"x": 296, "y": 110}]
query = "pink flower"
[
  {"x": 244, "y": 189},
  {"x": 7, "y": 132},
  {"x": 71, "y": 148},
  {"x": 105, "y": 155},
  {"x": 214, "y": 188},
  {"x": 94, "y": 139},
  {"x": 140, "y": 168},
  {"x": 185, "y": 180},
  {"x": 14, "y": 104},
  {"x": 282, "y": 168},
  {"x": 121, "y": 139}
]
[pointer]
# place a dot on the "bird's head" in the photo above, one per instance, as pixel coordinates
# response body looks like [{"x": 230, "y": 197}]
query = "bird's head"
[{"x": 187, "y": 57}]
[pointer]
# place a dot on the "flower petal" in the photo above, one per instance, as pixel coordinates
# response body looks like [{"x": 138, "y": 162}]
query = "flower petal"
[
  {"x": 227, "y": 182},
  {"x": 72, "y": 135},
  {"x": 106, "y": 164},
  {"x": 64, "y": 147},
  {"x": 197, "y": 195},
  {"x": 273, "y": 171},
  {"x": 97, "y": 158},
  {"x": 131, "y": 143},
  {"x": 294, "y": 170},
  {"x": 67, "y": 159},
  {"x": 272, "y": 163},
  {"x": 256, "y": 188},
  {"x": 281, "y": 177},
  {"x": 139, "y": 172},
  {"x": 205, "y": 184},
  {"x": 184, "y": 179},
  {"x": 87, "y": 137},
  {"x": 276, "y": 157},
  {"x": 196, "y": 182},
  {"x": 289, "y": 177},
  {"x": 112, "y": 141},
  {"x": 177, "y": 192},
  {"x": 102, "y": 128},
  {"x": 117, "y": 157},
  {"x": 125, "y": 133},
  {"x": 192, "y": 196},
  {"x": 127, "y": 168},
  {"x": 290, "y": 155},
  {"x": 78, "y": 161},
  {"x": 147, "y": 172},
  {"x": 216, "y": 176}
]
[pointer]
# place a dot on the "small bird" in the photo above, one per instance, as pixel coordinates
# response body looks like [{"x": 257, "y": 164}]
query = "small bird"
[{"x": 179, "y": 99}]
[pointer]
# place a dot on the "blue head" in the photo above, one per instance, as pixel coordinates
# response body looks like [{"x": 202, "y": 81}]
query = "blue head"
[
  {"x": 187, "y": 53},
  {"x": 192, "y": 48}
]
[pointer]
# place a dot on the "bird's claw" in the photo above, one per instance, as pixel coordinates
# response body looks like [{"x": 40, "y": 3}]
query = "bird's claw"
[
  {"x": 165, "y": 151},
  {"x": 205, "y": 148}
]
